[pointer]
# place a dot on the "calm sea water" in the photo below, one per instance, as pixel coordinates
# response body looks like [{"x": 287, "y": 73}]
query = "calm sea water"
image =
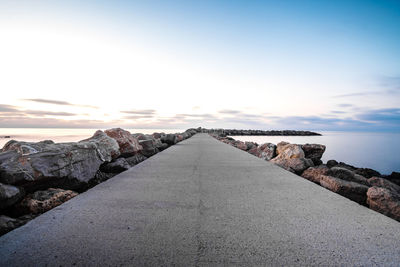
[{"x": 379, "y": 151}]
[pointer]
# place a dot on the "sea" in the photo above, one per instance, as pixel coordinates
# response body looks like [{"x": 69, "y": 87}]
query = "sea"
[{"x": 378, "y": 151}]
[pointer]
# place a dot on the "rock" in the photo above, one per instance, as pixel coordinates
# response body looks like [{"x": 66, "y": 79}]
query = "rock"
[
  {"x": 366, "y": 172},
  {"x": 331, "y": 163},
  {"x": 46, "y": 164},
  {"x": 7, "y": 224},
  {"x": 314, "y": 173},
  {"x": 341, "y": 173},
  {"x": 280, "y": 145},
  {"x": 394, "y": 177},
  {"x": 350, "y": 190},
  {"x": 157, "y": 135},
  {"x": 385, "y": 201},
  {"x": 117, "y": 166},
  {"x": 290, "y": 151},
  {"x": 268, "y": 151},
  {"x": 107, "y": 147},
  {"x": 346, "y": 166},
  {"x": 128, "y": 145},
  {"x": 265, "y": 151},
  {"x": 100, "y": 177},
  {"x": 250, "y": 145},
  {"x": 314, "y": 152},
  {"x": 134, "y": 160},
  {"x": 9, "y": 195},
  {"x": 381, "y": 182},
  {"x": 169, "y": 139},
  {"x": 149, "y": 147},
  {"x": 241, "y": 145},
  {"x": 295, "y": 165},
  {"x": 160, "y": 145},
  {"x": 42, "y": 201},
  {"x": 179, "y": 137}
]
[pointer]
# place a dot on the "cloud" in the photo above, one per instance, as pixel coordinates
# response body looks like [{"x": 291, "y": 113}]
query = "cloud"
[
  {"x": 344, "y": 105},
  {"x": 7, "y": 108},
  {"x": 140, "y": 112},
  {"x": 390, "y": 115},
  {"x": 47, "y": 113},
  {"x": 57, "y": 102},
  {"x": 338, "y": 111},
  {"x": 229, "y": 111},
  {"x": 134, "y": 117}
]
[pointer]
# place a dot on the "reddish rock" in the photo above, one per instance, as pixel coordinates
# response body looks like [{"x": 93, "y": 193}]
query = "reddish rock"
[
  {"x": 290, "y": 151},
  {"x": 295, "y": 165},
  {"x": 385, "y": 201},
  {"x": 241, "y": 145},
  {"x": 42, "y": 201},
  {"x": 354, "y": 191},
  {"x": 314, "y": 173},
  {"x": 279, "y": 146},
  {"x": 128, "y": 145},
  {"x": 381, "y": 182},
  {"x": 179, "y": 137}
]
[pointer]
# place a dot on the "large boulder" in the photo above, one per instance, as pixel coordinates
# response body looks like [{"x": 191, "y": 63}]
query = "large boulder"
[
  {"x": 250, "y": 145},
  {"x": 160, "y": 145},
  {"x": 394, "y": 177},
  {"x": 169, "y": 139},
  {"x": 265, "y": 151},
  {"x": 291, "y": 157},
  {"x": 117, "y": 166},
  {"x": 354, "y": 191},
  {"x": 9, "y": 195},
  {"x": 314, "y": 152},
  {"x": 384, "y": 183},
  {"x": 42, "y": 201},
  {"x": 295, "y": 165},
  {"x": 367, "y": 173},
  {"x": 347, "y": 175},
  {"x": 149, "y": 147},
  {"x": 290, "y": 151},
  {"x": 179, "y": 137},
  {"x": 314, "y": 174},
  {"x": 47, "y": 164},
  {"x": 385, "y": 201},
  {"x": 128, "y": 144}
]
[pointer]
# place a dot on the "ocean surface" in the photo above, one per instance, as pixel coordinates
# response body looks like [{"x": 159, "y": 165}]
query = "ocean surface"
[{"x": 379, "y": 151}]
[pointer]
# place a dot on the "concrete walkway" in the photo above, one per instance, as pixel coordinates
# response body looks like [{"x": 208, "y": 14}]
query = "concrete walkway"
[{"x": 203, "y": 203}]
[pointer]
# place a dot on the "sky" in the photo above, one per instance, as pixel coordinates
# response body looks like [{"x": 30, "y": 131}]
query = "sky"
[{"x": 304, "y": 65}]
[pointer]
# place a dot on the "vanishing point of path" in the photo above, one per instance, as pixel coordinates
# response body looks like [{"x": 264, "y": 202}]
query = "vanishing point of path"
[{"x": 205, "y": 203}]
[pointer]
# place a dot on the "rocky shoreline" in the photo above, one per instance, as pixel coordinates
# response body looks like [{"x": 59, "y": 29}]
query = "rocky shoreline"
[
  {"x": 236, "y": 132},
  {"x": 38, "y": 176},
  {"x": 363, "y": 185}
]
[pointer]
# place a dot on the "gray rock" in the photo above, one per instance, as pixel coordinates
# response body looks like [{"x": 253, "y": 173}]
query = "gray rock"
[
  {"x": 63, "y": 165},
  {"x": 117, "y": 166},
  {"x": 331, "y": 163},
  {"x": 169, "y": 139},
  {"x": 149, "y": 147},
  {"x": 135, "y": 159},
  {"x": 9, "y": 195},
  {"x": 314, "y": 152},
  {"x": 8, "y": 224}
]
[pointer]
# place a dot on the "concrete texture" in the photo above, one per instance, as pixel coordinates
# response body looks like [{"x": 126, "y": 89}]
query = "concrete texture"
[{"x": 202, "y": 203}]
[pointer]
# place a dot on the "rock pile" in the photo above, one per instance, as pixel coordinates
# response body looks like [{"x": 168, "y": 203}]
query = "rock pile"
[
  {"x": 362, "y": 185},
  {"x": 234, "y": 132},
  {"x": 38, "y": 176}
]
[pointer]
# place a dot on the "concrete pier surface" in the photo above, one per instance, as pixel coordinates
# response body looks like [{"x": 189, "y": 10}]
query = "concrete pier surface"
[{"x": 205, "y": 203}]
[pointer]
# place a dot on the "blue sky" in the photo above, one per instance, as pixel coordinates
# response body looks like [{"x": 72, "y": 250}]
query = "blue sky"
[{"x": 317, "y": 65}]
